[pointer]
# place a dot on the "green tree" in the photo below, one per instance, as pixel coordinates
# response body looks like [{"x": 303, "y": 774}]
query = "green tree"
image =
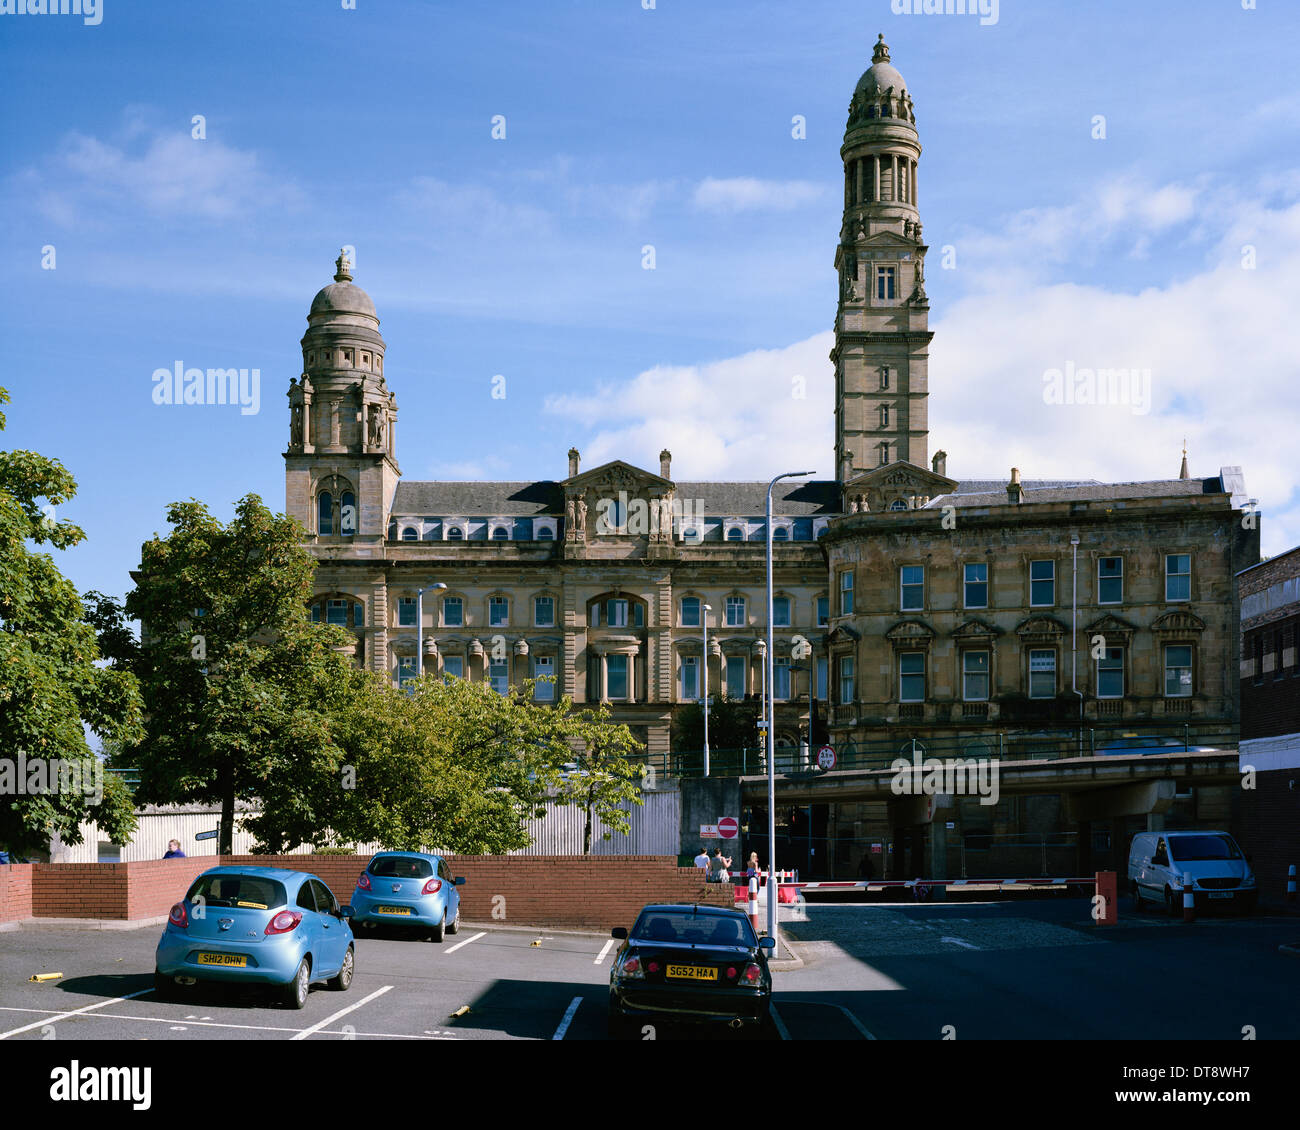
[
  {"x": 51, "y": 687},
  {"x": 239, "y": 684}
]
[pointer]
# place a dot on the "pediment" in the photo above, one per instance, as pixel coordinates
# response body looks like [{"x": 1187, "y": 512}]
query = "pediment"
[
  {"x": 975, "y": 629},
  {"x": 842, "y": 634},
  {"x": 910, "y": 632},
  {"x": 617, "y": 475},
  {"x": 1178, "y": 621},
  {"x": 1111, "y": 625},
  {"x": 1041, "y": 627},
  {"x": 901, "y": 475}
]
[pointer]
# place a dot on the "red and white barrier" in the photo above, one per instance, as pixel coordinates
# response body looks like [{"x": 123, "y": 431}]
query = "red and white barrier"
[
  {"x": 1189, "y": 900},
  {"x": 1290, "y": 883},
  {"x": 753, "y": 903}
]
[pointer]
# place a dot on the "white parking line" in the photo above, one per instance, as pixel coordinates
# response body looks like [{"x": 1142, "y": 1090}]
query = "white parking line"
[
  {"x": 471, "y": 938},
  {"x": 780, "y": 1024},
  {"x": 856, "y": 1023},
  {"x": 74, "y": 1012},
  {"x": 428, "y": 1035},
  {"x": 609, "y": 945},
  {"x": 341, "y": 1012},
  {"x": 568, "y": 1019},
  {"x": 960, "y": 942}
]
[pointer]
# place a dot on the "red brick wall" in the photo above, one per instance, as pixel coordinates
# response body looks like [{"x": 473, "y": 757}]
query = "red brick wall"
[
  {"x": 157, "y": 884},
  {"x": 123, "y": 891},
  {"x": 15, "y": 892}
]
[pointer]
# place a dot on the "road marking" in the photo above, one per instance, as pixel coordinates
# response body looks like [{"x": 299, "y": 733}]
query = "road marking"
[
  {"x": 856, "y": 1023},
  {"x": 780, "y": 1024},
  {"x": 74, "y": 1012},
  {"x": 601, "y": 956},
  {"x": 471, "y": 938},
  {"x": 568, "y": 1019},
  {"x": 341, "y": 1012},
  {"x": 959, "y": 942},
  {"x": 428, "y": 1035}
]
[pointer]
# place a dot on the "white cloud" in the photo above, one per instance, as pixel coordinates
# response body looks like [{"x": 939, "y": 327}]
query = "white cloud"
[{"x": 747, "y": 194}]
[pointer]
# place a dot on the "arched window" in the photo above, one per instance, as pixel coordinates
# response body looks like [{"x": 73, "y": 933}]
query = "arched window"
[
  {"x": 325, "y": 513},
  {"x": 455, "y": 533},
  {"x": 348, "y": 514},
  {"x": 898, "y": 504},
  {"x": 735, "y": 534},
  {"x": 501, "y": 534},
  {"x": 545, "y": 534},
  {"x": 780, "y": 533},
  {"x": 410, "y": 534}
]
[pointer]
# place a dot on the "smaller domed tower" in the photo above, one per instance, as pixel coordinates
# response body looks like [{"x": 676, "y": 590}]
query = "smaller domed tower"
[{"x": 341, "y": 465}]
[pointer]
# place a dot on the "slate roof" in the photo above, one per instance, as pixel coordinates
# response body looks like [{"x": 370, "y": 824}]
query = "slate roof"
[{"x": 1087, "y": 491}]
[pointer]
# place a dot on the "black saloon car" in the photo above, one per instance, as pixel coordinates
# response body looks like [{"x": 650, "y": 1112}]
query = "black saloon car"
[{"x": 689, "y": 964}]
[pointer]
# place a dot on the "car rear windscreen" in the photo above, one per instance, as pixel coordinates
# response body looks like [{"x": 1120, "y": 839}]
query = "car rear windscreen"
[
  {"x": 253, "y": 892},
  {"x": 1190, "y": 849},
  {"x": 693, "y": 929},
  {"x": 400, "y": 867}
]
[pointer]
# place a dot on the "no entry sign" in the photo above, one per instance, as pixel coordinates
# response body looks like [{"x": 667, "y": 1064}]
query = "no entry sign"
[
  {"x": 826, "y": 757},
  {"x": 728, "y": 826}
]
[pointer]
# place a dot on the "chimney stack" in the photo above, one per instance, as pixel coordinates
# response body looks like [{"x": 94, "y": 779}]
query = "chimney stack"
[
  {"x": 939, "y": 464},
  {"x": 665, "y": 463},
  {"x": 573, "y": 461},
  {"x": 1014, "y": 490}
]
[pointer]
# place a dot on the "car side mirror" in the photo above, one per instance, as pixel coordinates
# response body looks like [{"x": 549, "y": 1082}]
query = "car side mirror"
[
  {"x": 766, "y": 943},
  {"x": 345, "y": 911},
  {"x": 459, "y": 880},
  {"x": 619, "y": 932}
]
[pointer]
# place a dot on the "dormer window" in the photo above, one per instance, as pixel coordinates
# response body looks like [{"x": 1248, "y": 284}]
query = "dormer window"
[
  {"x": 410, "y": 534},
  {"x": 501, "y": 534},
  {"x": 735, "y": 534},
  {"x": 455, "y": 533}
]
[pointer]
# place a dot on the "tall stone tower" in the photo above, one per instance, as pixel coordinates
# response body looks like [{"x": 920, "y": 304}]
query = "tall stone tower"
[
  {"x": 340, "y": 467},
  {"x": 882, "y": 337}
]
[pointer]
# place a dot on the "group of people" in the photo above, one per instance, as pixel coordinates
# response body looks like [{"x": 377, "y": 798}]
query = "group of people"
[{"x": 717, "y": 867}]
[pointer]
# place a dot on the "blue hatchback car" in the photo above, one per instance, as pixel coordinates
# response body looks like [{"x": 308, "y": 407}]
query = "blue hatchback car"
[
  {"x": 258, "y": 926},
  {"x": 409, "y": 888}
]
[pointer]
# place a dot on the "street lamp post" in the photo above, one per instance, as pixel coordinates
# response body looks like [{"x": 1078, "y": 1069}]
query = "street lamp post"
[
  {"x": 419, "y": 625},
  {"x": 704, "y": 662},
  {"x": 773, "y": 893}
]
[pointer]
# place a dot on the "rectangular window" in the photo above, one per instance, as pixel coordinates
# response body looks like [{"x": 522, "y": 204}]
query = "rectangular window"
[
  {"x": 781, "y": 679},
  {"x": 453, "y": 612},
  {"x": 498, "y": 611},
  {"x": 977, "y": 586},
  {"x": 690, "y": 612},
  {"x": 405, "y": 669},
  {"x": 911, "y": 676},
  {"x": 616, "y": 677},
  {"x": 823, "y": 676},
  {"x": 543, "y": 666},
  {"x": 975, "y": 676},
  {"x": 1110, "y": 580},
  {"x": 1110, "y": 674},
  {"x": 735, "y": 612},
  {"x": 735, "y": 676},
  {"x": 1178, "y": 670},
  {"x": 499, "y": 677},
  {"x": 846, "y": 679},
  {"x": 406, "y": 612},
  {"x": 337, "y": 612},
  {"x": 1042, "y": 584},
  {"x": 544, "y": 611},
  {"x": 846, "y": 592},
  {"x": 1178, "y": 576},
  {"x": 453, "y": 666},
  {"x": 780, "y": 611},
  {"x": 884, "y": 283},
  {"x": 616, "y": 614},
  {"x": 1042, "y": 673},
  {"x": 690, "y": 689},
  {"x": 823, "y": 611},
  {"x": 912, "y": 596}
]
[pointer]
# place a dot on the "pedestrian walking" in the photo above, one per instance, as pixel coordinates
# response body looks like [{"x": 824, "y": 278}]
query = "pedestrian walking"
[
  {"x": 719, "y": 866},
  {"x": 174, "y": 850}
]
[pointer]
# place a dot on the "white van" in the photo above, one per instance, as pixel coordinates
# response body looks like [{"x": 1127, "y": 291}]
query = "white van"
[{"x": 1220, "y": 874}]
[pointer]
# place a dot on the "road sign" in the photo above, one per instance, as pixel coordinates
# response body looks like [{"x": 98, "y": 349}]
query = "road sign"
[
  {"x": 207, "y": 835},
  {"x": 708, "y": 831},
  {"x": 728, "y": 826},
  {"x": 826, "y": 757}
]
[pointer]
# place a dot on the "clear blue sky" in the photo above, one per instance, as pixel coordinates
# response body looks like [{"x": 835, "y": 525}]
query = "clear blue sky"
[{"x": 627, "y": 127}]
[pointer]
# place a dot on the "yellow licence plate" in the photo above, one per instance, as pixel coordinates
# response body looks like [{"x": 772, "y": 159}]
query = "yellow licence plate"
[
  {"x": 393, "y": 910},
  {"x": 692, "y": 972},
  {"x": 223, "y": 959}
]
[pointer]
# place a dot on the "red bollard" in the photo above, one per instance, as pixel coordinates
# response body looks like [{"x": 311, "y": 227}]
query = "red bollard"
[
  {"x": 753, "y": 903},
  {"x": 1108, "y": 892},
  {"x": 1189, "y": 900},
  {"x": 1290, "y": 883}
]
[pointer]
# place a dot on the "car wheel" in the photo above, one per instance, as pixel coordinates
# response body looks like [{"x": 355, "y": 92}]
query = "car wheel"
[
  {"x": 164, "y": 988},
  {"x": 435, "y": 935},
  {"x": 341, "y": 982},
  {"x": 295, "y": 993},
  {"x": 1172, "y": 905},
  {"x": 454, "y": 926},
  {"x": 1137, "y": 899}
]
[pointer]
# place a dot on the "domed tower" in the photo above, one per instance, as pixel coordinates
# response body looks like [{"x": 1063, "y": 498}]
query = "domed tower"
[
  {"x": 341, "y": 468},
  {"x": 882, "y": 337}
]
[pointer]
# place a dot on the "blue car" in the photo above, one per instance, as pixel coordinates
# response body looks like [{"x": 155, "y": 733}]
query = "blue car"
[
  {"x": 408, "y": 888},
  {"x": 256, "y": 926}
]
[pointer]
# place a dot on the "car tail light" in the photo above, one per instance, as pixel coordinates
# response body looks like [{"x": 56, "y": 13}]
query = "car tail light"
[
  {"x": 283, "y": 922},
  {"x": 631, "y": 967},
  {"x": 432, "y": 887},
  {"x": 179, "y": 916},
  {"x": 732, "y": 972},
  {"x": 364, "y": 882},
  {"x": 653, "y": 967},
  {"x": 753, "y": 975}
]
